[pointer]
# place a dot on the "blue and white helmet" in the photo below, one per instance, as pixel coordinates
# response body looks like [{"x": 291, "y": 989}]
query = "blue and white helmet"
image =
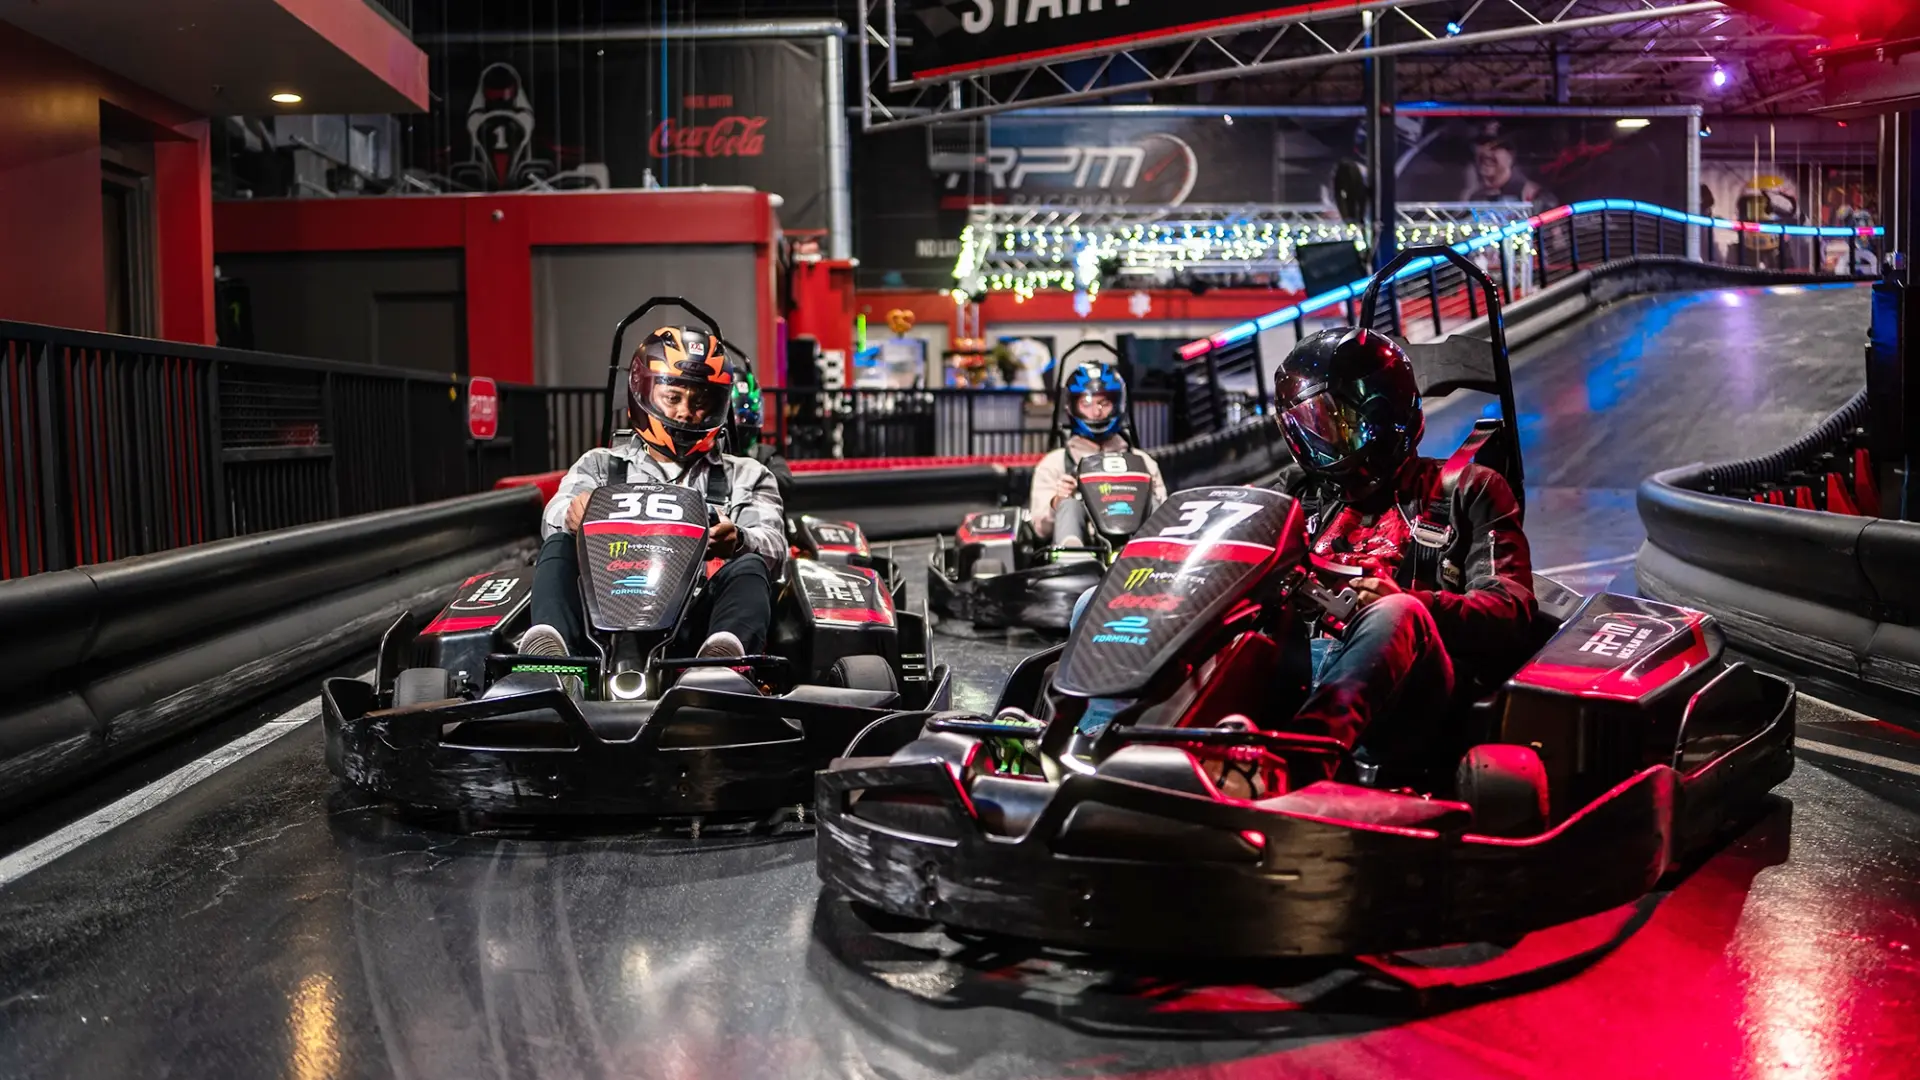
[{"x": 1090, "y": 382}]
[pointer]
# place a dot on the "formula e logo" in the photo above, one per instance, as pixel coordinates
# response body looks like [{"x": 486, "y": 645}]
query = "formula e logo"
[
  {"x": 1147, "y": 601},
  {"x": 1118, "y": 508},
  {"x": 634, "y": 585},
  {"x": 1131, "y": 630}
]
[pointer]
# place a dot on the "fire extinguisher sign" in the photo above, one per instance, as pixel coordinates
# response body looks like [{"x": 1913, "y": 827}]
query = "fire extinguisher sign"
[{"x": 483, "y": 408}]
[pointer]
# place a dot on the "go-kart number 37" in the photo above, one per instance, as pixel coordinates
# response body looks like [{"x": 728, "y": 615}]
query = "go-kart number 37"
[
  {"x": 1198, "y": 516},
  {"x": 659, "y": 506}
]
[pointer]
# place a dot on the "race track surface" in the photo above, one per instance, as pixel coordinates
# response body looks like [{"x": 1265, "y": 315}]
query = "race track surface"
[{"x": 265, "y": 922}]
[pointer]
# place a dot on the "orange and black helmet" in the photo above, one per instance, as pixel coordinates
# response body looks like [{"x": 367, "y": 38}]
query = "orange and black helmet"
[{"x": 679, "y": 391}]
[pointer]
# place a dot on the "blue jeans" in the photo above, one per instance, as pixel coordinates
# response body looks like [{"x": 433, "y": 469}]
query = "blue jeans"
[{"x": 1380, "y": 680}]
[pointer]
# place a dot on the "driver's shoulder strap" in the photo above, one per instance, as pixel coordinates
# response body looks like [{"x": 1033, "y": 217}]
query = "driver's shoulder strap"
[
  {"x": 719, "y": 489},
  {"x": 1433, "y": 526}
]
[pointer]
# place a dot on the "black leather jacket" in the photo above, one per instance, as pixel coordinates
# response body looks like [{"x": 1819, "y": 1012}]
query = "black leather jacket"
[{"x": 1483, "y": 598}]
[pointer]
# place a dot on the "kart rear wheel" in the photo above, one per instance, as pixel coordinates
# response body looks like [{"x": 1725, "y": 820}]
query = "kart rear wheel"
[
  {"x": 417, "y": 686},
  {"x": 1506, "y": 787},
  {"x": 864, "y": 673}
]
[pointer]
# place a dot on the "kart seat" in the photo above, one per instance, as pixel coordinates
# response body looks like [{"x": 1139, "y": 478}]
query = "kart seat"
[{"x": 1369, "y": 806}]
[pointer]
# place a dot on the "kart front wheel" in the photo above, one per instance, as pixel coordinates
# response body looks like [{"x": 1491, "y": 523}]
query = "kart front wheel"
[
  {"x": 864, "y": 673},
  {"x": 1506, "y": 787},
  {"x": 417, "y": 686}
]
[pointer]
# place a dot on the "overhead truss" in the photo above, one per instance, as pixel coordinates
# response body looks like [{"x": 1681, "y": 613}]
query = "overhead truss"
[{"x": 1622, "y": 40}]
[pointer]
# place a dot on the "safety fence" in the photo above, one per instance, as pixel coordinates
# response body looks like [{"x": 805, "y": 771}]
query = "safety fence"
[
  {"x": 115, "y": 446},
  {"x": 1431, "y": 298}
]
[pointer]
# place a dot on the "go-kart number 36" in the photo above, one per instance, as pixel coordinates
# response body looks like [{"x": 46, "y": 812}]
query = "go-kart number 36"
[
  {"x": 1198, "y": 516},
  {"x": 659, "y": 506}
]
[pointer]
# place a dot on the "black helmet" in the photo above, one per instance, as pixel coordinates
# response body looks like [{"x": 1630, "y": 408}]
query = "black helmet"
[
  {"x": 1349, "y": 408},
  {"x": 679, "y": 391}
]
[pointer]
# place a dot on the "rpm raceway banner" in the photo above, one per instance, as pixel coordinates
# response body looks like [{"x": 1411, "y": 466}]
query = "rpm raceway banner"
[
  {"x": 954, "y": 36},
  {"x": 609, "y": 114},
  {"x": 910, "y": 213}
]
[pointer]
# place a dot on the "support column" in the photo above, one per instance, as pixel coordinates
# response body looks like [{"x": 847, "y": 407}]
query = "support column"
[
  {"x": 1893, "y": 353},
  {"x": 183, "y": 234},
  {"x": 1383, "y": 140}
]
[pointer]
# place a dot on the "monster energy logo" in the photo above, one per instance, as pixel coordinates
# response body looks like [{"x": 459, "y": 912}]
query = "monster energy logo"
[
  {"x": 616, "y": 548},
  {"x": 1136, "y": 578}
]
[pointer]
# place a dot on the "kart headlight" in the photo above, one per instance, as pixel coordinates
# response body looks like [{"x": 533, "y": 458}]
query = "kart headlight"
[{"x": 627, "y": 685}]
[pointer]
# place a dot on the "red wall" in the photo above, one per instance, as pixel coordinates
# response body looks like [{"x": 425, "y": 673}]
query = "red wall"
[
  {"x": 1223, "y": 306},
  {"x": 498, "y": 233},
  {"x": 53, "y": 260}
]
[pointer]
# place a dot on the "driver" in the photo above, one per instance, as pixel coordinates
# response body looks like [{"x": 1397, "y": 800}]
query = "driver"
[
  {"x": 1452, "y": 610},
  {"x": 1096, "y": 400},
  {"x": 678, "y": 397}
]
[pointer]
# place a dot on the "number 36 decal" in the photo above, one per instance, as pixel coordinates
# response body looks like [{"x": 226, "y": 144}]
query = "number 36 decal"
[
  {"x": 1208, "y": 515},
  {"x": 659, "y": 506}
]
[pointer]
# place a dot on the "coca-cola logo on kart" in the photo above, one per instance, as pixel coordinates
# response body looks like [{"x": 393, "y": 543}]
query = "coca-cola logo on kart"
[{"x": 729, "y": 136}]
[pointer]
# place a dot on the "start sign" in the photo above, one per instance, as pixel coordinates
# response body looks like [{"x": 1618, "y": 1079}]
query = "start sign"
[{"x": 483, "y": 408}]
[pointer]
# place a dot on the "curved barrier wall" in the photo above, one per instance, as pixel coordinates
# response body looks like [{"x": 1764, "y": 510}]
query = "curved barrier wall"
[
  {"x": 1831, "y": 592},
  {"x": 104, "y": 660}
]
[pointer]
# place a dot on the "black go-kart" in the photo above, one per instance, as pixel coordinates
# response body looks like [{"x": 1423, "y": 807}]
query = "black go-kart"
[
  {"x": 839, "y": 542},
  {"x": 1089, "y": 810},
  {"x": 454, "y": 719},
  {"x": 997, "y": 572}
]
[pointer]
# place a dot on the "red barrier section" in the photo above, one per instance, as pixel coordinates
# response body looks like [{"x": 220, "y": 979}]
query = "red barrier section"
[
  {"x": 1011, "y": 461},
  {"x": 547, "y": 483}
]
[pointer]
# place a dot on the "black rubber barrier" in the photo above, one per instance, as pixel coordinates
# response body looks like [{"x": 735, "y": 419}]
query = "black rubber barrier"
[
  {"x": 1831, "y": 593},
  {"x": 107, "y": 659},
  {"x": 900, "y": 503}
]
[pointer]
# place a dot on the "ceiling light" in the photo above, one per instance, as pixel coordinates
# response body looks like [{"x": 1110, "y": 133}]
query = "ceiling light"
[
  {"x": 1632, "y": 122},
  {"x": 1719, "y": 76},
  {"x": 1453, "y": 28},
  {"x": 287, "y": 98}
]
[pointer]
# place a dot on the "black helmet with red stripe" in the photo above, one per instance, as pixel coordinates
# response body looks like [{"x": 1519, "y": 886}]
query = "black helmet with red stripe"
[{"x": 679, "y": 392}]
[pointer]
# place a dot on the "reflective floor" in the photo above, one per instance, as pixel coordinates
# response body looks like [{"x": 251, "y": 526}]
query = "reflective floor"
[{"x": 266, "y": 923}]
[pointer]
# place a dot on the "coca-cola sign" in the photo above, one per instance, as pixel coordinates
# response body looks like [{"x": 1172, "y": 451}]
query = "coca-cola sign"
[{"x": 729, "y": 136}]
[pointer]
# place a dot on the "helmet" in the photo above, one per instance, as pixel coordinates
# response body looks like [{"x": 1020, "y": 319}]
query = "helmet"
[
  {"x": 746, "y": 412},
  {"x": 678, "y": 391},
  {"x": 1349, "y": 408},
  {"x": 1084, "y": 388}
]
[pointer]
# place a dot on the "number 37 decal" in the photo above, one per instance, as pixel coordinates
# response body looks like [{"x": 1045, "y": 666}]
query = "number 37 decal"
[{"x": 1210, "y": 516}]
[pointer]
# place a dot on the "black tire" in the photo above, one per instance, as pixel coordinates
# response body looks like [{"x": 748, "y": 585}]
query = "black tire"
[
  {"x": 988, "y": 568},
  {"x": 417, "y": 686},
  {"x": 1506, "y": 787},
  {"x": 864, "y": 673}
]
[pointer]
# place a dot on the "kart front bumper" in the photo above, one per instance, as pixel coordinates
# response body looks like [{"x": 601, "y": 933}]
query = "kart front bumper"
[
  {"x": 1298, "y": 885},
  {"x": 694, "y": 751}
]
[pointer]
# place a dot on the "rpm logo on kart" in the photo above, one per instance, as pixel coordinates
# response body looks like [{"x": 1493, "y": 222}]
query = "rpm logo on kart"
[
  {"x": 1622, "y": 635},
  {"x": 492, "y": 592}
]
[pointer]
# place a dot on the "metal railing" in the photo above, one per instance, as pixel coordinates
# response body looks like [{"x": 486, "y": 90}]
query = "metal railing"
[
  {"x": 115, "y": 446},
  {"x": 1430, "y": 297},
  {"x": 874, "y": 423}
]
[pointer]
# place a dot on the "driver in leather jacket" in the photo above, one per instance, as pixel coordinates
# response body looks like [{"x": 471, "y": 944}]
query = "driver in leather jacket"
[{"x": 1433, "y": 549}]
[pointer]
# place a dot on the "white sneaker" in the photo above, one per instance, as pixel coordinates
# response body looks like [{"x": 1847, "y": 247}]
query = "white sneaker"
[
  {"x": 723, "y": 643},
  {"x": 541, "y": 640}
]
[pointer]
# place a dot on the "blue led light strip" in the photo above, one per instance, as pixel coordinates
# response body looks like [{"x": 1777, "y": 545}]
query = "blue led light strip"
[{"x": 1349, "y": 291}]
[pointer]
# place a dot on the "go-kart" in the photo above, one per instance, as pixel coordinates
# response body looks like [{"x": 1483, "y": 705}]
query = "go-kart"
[
  {"x": 839, "y": 542},
  {"x": 1110, "y": 802},
  {"x": 455, "y": 719},
  {"x": 998, "y": 572}
]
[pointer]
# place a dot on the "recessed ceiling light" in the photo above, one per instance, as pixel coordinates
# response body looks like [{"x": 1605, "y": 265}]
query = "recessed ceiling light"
[
  {"x": 1632, "y": 122},
  {"x": 287, "y": 99}
]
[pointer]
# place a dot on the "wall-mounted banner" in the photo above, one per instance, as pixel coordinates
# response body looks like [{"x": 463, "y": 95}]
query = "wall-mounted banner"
[
  {"x": 607, "y": 114},
  {"x": 911, "y": 213},
  {"x": 952, "y": 37}
]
